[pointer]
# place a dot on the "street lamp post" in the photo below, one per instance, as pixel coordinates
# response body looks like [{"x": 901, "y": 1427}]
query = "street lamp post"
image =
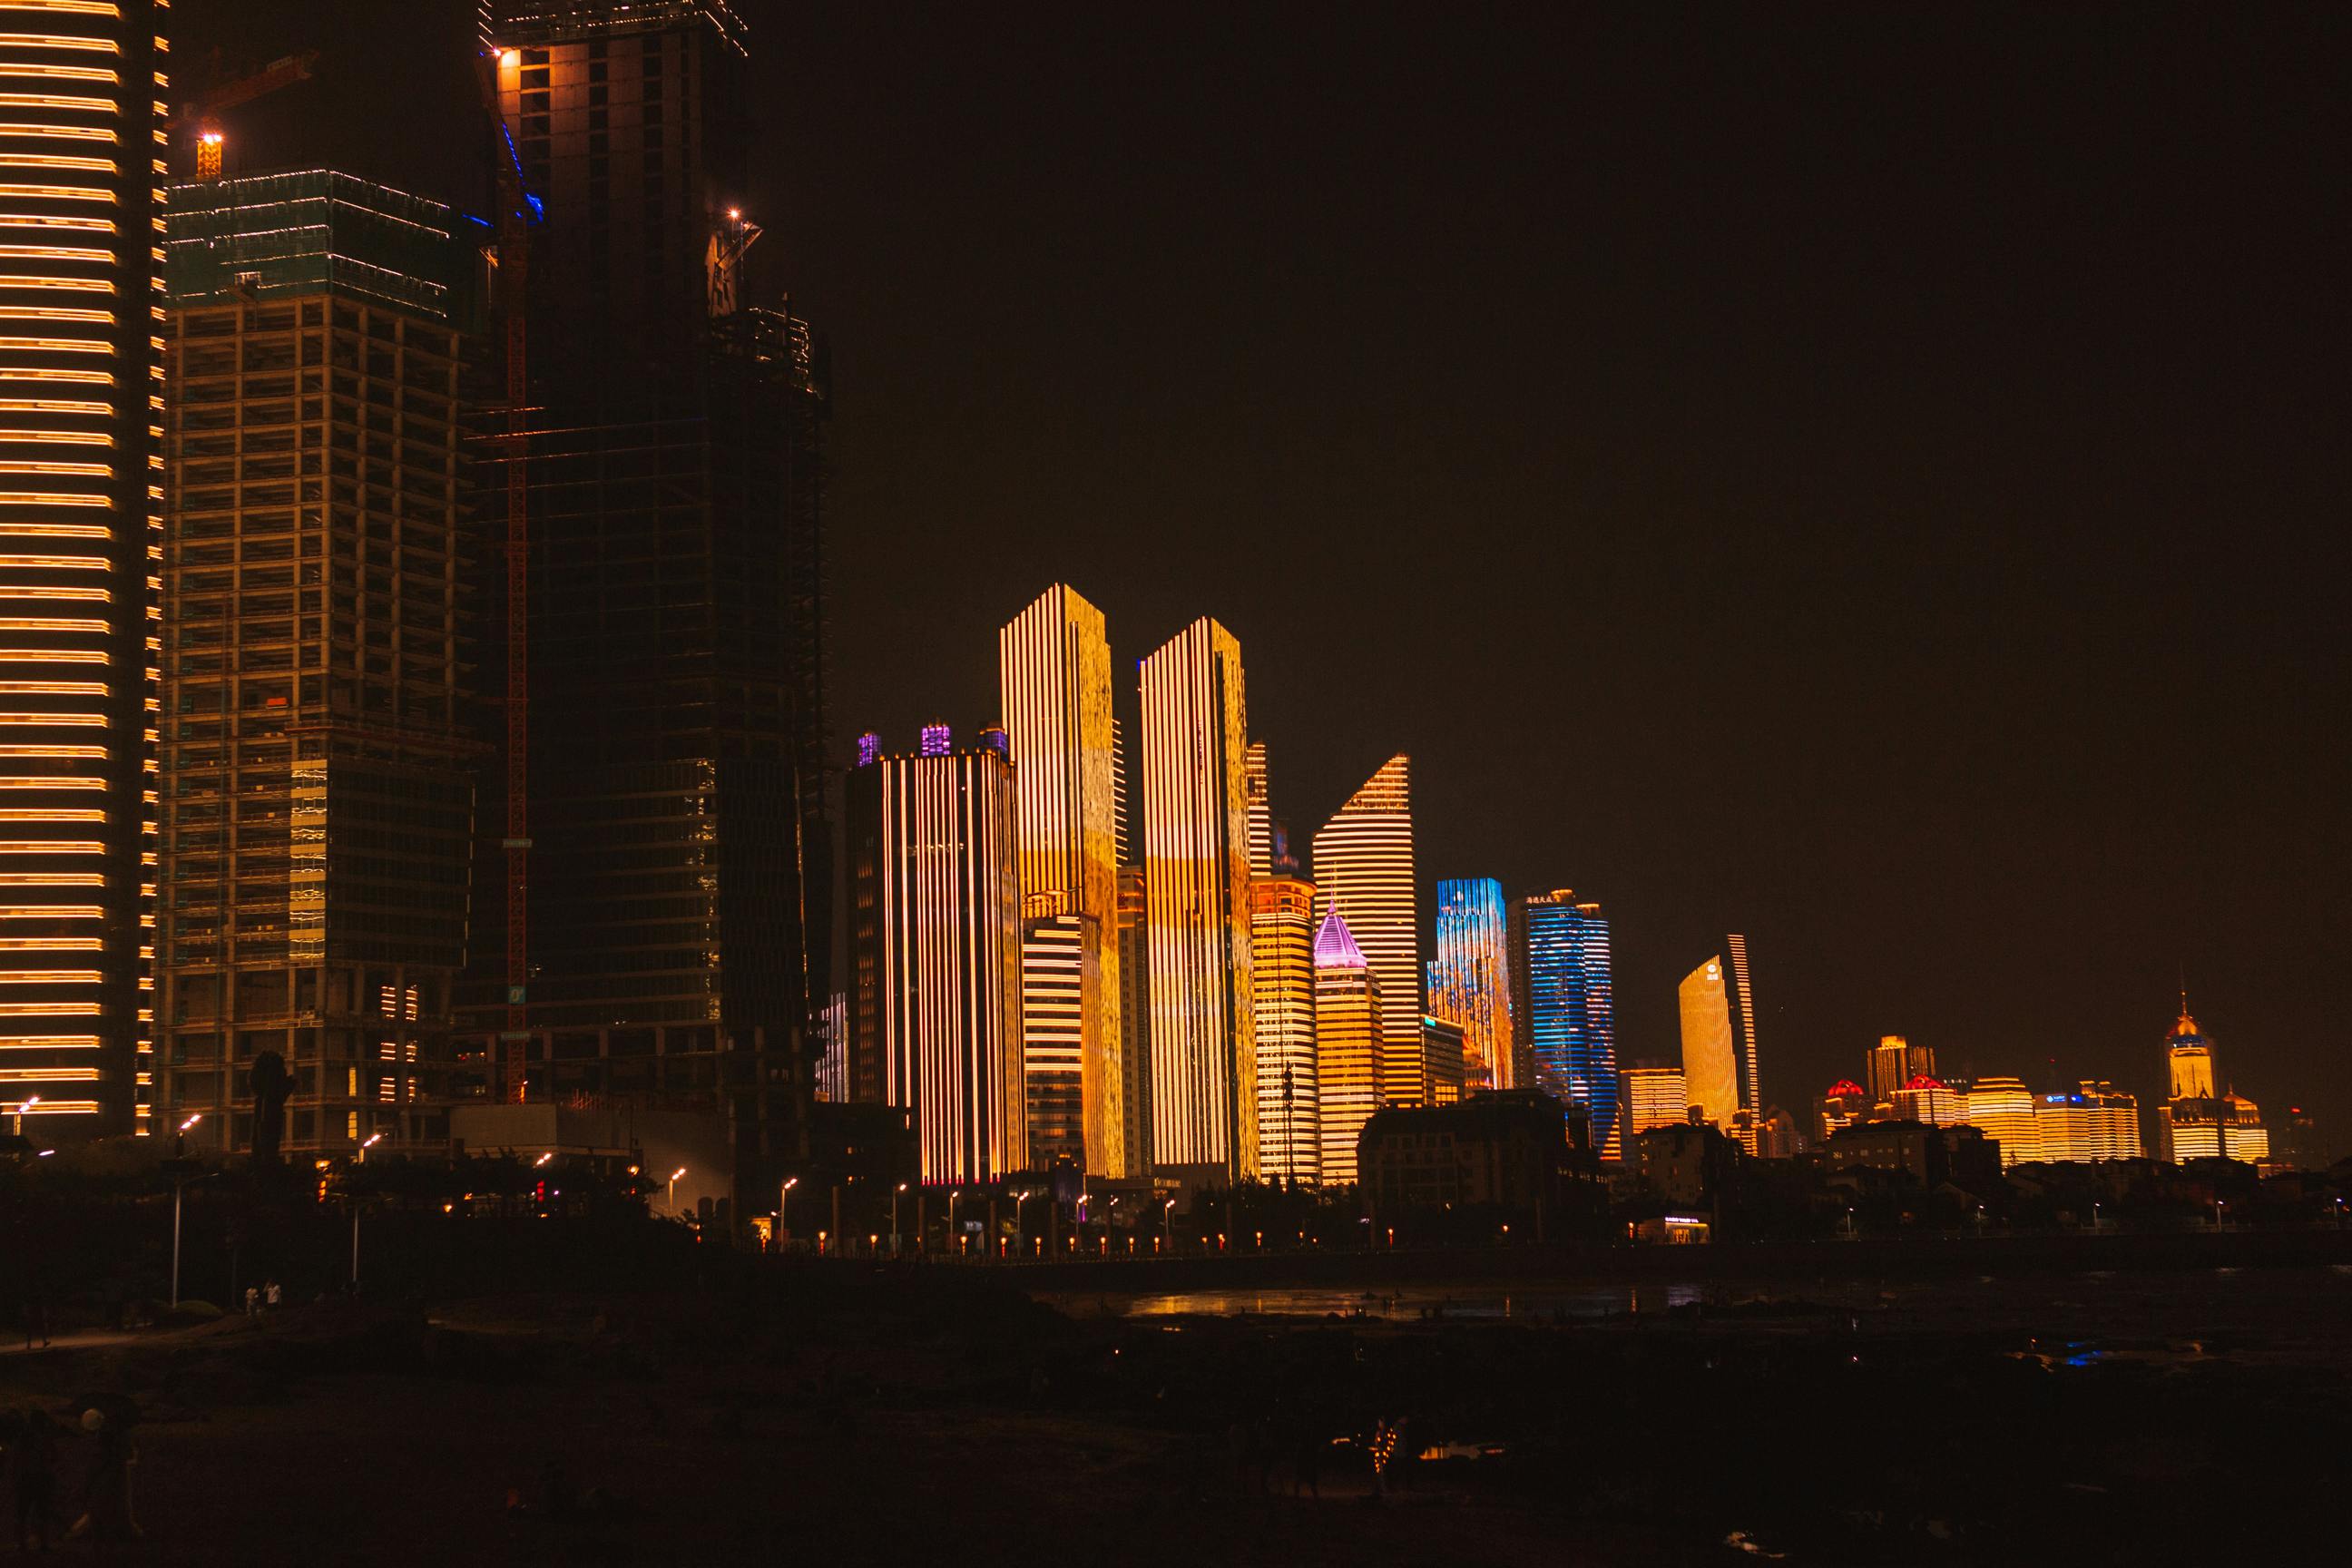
[
  {"x": 373, "y": 1139},
  {"x": 1168, "y": 1223},
  {"x": 784, "y": 1207},
  {"x": 893, "y": 1220},
  {"x": 2218, "y": 1206},
  {"x": 2094, "y": 1216},
  {"x": 953, "y": 1193},
  {"x": 179, "y": 1185},
  {"x": 17, "y": 1117},
  {"x": 1020, "y": 1236},
  {"x": 674, "y": 1175}
]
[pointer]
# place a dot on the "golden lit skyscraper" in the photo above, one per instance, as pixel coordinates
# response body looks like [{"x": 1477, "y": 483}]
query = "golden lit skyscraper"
[
  {"x": 1203, "y": 1047},
  {"x": 1349, "y": 1029},
  {"x": 2188, "y": 1058},
  {"x": 82, "y": 91},
  {"x": 1894, "y": 1062},
  {"x": 1470, "y": 978},
  {"x": 1751, "y": 1084},
  {"x": 1710, "y": 1069},
  {"x": 935, "y": 946},
  {"x": 1363, "y": 869},
  {"x": 1282, "y": 962},
  {"x": 1054, "y": 679}
]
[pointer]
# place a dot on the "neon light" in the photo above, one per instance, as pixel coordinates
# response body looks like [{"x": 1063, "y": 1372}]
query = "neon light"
[
  {"x": 55, "y": 313},
  {"x": 48, "y": 1009},
  {"x": 74, "y": 721},
  {"x": 59, "y": 193},
  {"x": 60, "y": 161},
  {"x": 60, "y": 437},
  {"x": 63, "y": 132},
  {"x": 47, "y": 220},
  {"x": 58, "y": 41},
  {"x": 51, "y": 373},
  {"x": 101, "y": 595},
  {"x": 51, "y": 977},
  {"x": 19, "y": 814}
]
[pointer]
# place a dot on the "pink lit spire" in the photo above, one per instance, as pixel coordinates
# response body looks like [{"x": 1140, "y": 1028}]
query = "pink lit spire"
[{"x": 1335, "y": 945}]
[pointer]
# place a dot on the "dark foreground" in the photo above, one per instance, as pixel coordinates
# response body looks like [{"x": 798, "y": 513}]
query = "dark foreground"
[{"x": 845, "y": 1415}]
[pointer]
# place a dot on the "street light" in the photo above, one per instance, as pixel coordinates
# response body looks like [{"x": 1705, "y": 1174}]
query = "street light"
[
  {"x": 784, "y": 1205},
  {"x": 2094, "y": 1216},
  {"x": 17, "y": 1117},
  {"x": 1168, "y": 1223},
  {"x": 180, "y": 1185},
  {"x": 953, "y": 1193},
  {"x": 373, "y": 1139},
  {"x": 2218, "y": 1206},
  {"x": 893, "y": 1220},
  {"x": 1020, "y": 1237},
  {"x": 674, "y": 1175}
]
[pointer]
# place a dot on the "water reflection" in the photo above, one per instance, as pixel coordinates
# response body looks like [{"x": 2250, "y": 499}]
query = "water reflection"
[{"x": 1415, "y": 1303}]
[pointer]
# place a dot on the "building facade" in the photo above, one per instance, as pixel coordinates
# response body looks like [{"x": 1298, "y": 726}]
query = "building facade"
[
  {"x": 81, "y": 542},
  {"x": 1563, "y": 999},
  {"x": 1470, "y": 979},
  {"x": 1060, "y": 989},
  {"x": 1282, "y": 978},
  {"x": 1202, "y": 1045},
  {"x": 1844, "y": 1104},
  {"x": 319, "y": 765},
  {"x": 1651, "y": 1094},
  {"x": 1348, "y": 1041},
  {"x": 1135, "y": 1019},
  {"x": 1053, "y": 664},
  {"x": 1894, "y": 1062},
  {"x": 936, "y": 944},
  {"x": 1743, "y": 1017},
  {"x": 1711, "y": 1058},
  {"x": 1363, "y": 868}
]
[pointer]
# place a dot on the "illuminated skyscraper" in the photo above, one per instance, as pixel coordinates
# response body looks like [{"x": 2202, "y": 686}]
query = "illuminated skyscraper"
[
  {"x": 2097, "y": 1121},
  {"x": 1894, "y": 1062},
  {"x": 318, "y": 767},
  {"x": 1932, "y": 1100},
  {"x": 1363, "y": 869},
  {"x": 1441, "y": 1050},
  {"x": 1651, "y": 1095},
  {"x": 1842, "y": 1104},
  {"x": 2002, "y": 1108},
  {"x": 1710, "y": 1065},
  {"x": 2188, "y": 1058},
  {"x": 935, "y": 934},
  {"x": 82, "y": 91},
  {"x": 1470, "y": 978},
  {"x": 1562, "y": 997},
  {"x": 1282, "y": 964},
  {"x": 1054, "y": 679},
  {"x": 1349, "y": 1045},
  {"x": 1203, "y": 1047}
]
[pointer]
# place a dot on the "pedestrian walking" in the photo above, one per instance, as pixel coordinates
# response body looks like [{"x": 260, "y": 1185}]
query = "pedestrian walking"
[
  {"x": 253, "y": 1302},
  {"x": 273, "y": 1295}
]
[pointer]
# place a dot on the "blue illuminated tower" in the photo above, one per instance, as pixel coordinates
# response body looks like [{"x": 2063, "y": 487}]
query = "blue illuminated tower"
[{"x": 1564, "y": 1009}]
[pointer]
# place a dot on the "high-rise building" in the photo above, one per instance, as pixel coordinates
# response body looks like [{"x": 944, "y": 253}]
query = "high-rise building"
[
  {"x": 936, "y": 945},
  {"x": 1894, "y": 1062},
  {"x": 317, "y": 588},
  {"x": 1651, "y": 1094},
  {"x": 2003, "y": 1109},
  {"x": 1282, "y": 976},
  {"x": 833, "y": 1066},
  {"x": 1363, "y": 870},
  {"x": 1348, "y": 1043},
  {"x": 1261, "y": 809},
  {"x": 2198, "y": 1122},
  {"x": 1203, "y": 1047},
  {"x": 2188, "y": 1058},
  {"x": 1054, "y": 679},
  {"x": 1470, "y": 979},
  {"x": 666, "y": 478},
  {"x": 81, "y": 505},
  {"x": 1562, "y": 998},
  {"x": 1752, "y": 1082},
  {"x": 2096, "y": 1121},
  {"x": 1135, "y": 1019},
  {"x": 1931, "y": 1101},
  {"x": 1442, "y": 1049},
  {"x": 1710, "y": 1062}
]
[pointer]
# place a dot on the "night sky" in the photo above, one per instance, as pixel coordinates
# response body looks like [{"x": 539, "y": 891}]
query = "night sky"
[{"x": 1871, "y": 477}]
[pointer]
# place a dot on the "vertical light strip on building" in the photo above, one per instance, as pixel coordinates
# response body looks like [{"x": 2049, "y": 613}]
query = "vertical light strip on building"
[
  {"x": 1261, "y": 810},
  {"x": 1053, "y": 682},
  {"x": 82, "y": 148},
  {"x": 1363, "y": 869},
  {"x": 1751, "y": 1085},
  {"x": 1470, "y": 978},
  {"x": 1202, "y": 1047}
]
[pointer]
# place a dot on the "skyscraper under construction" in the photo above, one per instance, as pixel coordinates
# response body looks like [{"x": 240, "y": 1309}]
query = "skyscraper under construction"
[{"x": 675, "y": 853}]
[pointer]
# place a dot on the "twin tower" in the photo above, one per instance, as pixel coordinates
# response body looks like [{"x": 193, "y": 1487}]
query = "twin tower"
[{"x": 1025, "y": 984}]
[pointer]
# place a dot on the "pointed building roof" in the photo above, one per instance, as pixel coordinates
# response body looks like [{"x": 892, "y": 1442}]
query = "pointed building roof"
[{"x": 1335, "y": 945}]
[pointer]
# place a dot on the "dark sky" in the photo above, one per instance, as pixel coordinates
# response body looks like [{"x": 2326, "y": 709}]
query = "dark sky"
[{"x": 1872, "y": 478}]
